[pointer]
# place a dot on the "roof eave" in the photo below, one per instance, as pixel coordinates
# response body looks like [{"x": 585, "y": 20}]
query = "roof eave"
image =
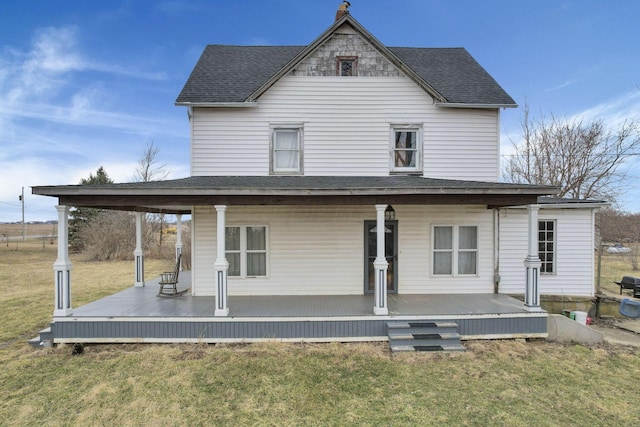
[
  {"x": 472, "y": 105},
  {"x": 244, "y": 104}
]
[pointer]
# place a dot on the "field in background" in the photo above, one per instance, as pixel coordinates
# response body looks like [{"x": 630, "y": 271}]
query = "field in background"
[{"x": 513, "y": 383}]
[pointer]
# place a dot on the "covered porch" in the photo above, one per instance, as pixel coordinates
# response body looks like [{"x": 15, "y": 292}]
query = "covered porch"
[{"x": 137, "y": 314}]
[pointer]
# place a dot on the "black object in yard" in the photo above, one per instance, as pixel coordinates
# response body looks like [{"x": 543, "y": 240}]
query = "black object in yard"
[{"x": 629, "y": 282}]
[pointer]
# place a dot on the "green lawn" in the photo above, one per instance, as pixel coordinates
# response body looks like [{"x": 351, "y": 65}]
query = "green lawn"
[{"x": 512, "y": 383}]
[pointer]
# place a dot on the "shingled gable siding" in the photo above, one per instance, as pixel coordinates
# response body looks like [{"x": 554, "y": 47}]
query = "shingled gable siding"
[
  {"x": 323, "y": 60},
  {"x": 346, "y": 124},
  {"x": 574, "y": 241},
  {"x": 304, "y": 240}
]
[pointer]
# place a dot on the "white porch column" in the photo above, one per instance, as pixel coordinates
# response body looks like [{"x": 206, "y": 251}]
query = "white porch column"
[
  {"x": 62, "y": 265},
  {"x": 138, "y": 254},
  {"x": 179, "y": 238},
  {"x": 221, "y": 266},
  {"x": 380, "y": 265},
  {"x": 532, "y": 263}
]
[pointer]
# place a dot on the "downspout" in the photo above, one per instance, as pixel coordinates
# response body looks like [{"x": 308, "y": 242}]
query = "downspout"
[{"x": 496, "y": 250}]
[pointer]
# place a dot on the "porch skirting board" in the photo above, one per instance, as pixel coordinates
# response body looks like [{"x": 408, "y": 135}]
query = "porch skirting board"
[{"x": 211, "y": 330}]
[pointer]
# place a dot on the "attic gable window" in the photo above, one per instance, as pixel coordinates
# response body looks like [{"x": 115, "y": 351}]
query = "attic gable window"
[
  {"x": 347, "y": 66},
  {"x": 286, "y": 149}
]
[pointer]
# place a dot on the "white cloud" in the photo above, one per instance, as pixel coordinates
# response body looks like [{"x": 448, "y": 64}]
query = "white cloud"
[
  {"x": 613, "y": 112},
  {"x": 58, "y": 123}
]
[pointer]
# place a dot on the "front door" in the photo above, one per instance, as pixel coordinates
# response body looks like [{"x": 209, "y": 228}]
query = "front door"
[{"x": 370, "y": 252}]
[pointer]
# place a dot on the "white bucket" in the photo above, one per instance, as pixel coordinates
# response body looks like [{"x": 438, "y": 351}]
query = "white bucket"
[{"x": 581, "y": 317}]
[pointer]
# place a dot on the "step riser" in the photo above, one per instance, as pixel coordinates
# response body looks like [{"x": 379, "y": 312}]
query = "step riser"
[
  {"x": 424, "y": 336},
  {"x": 407, "y": 335}
]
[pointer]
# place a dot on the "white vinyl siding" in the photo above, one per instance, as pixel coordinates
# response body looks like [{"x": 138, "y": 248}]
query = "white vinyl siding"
[
  {"x": 346, "y": 130},
  {"x": 319, "y": 250},
  {"x": 574, "y": 252}
]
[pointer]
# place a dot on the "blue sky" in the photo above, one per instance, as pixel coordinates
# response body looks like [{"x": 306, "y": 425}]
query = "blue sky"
[{"x": 85, "y": 84}]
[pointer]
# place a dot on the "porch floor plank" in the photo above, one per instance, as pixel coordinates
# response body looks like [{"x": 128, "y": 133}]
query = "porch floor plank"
[{"x": 144, "y": 302}]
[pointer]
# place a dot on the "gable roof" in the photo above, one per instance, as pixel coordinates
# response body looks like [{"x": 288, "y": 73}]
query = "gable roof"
[{"x": 239, "y": 74}]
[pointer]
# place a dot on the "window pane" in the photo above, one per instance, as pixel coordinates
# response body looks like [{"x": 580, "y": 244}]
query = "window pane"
[
  {"x": 257, "y": 264},
  {"x": 232, "y": 238},
  {"x": 234, "y": 264},
  {"x": 346, "y": 68},
  {"x": 468, "y": 238},
  {"x": 406, "y": 139},
  {"x": 286, "y": 149},
  {"x": 442, "y": 238},
  {"x": 256, "y": 238},
  {"x": 467, "y": 263},
  {"x": 442, "y": 263},
  {"x": 286, "y": 139},
  {"x": 405, "y": 149}
]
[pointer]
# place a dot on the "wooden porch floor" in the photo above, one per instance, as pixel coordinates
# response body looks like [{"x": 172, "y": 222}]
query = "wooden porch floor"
[{"x": 144, "y": 302}]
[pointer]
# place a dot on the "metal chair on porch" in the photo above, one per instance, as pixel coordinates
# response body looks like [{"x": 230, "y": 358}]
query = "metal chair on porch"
[{"x": 169, "y": 281}]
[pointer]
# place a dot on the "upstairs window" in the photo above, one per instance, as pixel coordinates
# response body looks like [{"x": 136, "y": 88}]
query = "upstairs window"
[
  {"x": 547, "y": 246},
  {"x": 286, "y": 151},
  {"x": 347, "y": 66},
  {"x": 406, "y": 149}
]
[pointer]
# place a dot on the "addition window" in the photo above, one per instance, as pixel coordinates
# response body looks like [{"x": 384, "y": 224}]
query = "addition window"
[
  {"x": 406, "y": 149},
  {"x": 246, "y": 251},
  {"x": 455, "y": 250},
  {"x": 547, "y": 246},
  {"x": 286, "y": 150},
  {"x": 347, "y": 66}
]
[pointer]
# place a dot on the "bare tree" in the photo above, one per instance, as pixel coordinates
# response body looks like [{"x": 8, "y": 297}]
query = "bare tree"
[
  {"x": 585, "y": 160},
  {"x": 149, "y": 169}
]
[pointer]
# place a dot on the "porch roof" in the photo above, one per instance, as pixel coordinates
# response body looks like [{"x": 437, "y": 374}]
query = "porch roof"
[{"x": 179, "y": 195}]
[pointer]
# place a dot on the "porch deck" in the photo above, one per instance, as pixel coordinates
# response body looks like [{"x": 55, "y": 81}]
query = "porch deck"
[{"x": 137, "y": 314}]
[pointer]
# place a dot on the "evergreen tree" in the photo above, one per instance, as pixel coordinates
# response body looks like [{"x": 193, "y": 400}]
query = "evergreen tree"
[{"x": 81, "y": 217}]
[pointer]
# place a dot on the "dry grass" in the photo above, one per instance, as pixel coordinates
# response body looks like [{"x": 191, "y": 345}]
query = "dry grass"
[
  {"x": 27, "y": 287},
  {"x": 614, "y": 266},
  {"x": 511, "y": 383}
]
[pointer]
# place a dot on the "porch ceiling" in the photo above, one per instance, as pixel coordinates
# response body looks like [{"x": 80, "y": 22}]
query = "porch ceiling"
[{"x": 178, "y": 196}]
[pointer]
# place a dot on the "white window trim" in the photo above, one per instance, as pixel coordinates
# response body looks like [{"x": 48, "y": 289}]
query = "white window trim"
[
  {"x": 455, "y": 251},
  {"x": 419, "y": 149},
  {"x": 243, "y": 251},
  {"x": 299, "y": 127},
  {"x": 555, "y": 246}
]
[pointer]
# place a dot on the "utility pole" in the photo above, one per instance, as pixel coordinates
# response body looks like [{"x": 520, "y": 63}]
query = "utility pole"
[{"x": 24, "y": 231}]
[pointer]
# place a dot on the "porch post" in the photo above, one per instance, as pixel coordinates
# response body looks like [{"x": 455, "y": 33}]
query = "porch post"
[
  {"x": 221, "y": 265},
  {"x": 62, "y": 265},
  {"x": 179, "y": 238},
  {"x": 380, "y": 265},
  {"x": 138, "y": 254},
  {"x": 532, "y": 263}
]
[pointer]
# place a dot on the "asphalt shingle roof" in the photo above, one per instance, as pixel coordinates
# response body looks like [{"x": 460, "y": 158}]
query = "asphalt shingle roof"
[
  {"x": 410, "y": 184},
  {"x": 227, "y": 73},
  {"x": 232, "y": 73}
]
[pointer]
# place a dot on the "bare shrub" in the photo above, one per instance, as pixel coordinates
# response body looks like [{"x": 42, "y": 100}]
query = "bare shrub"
[{"x": 111, "y": 235}]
